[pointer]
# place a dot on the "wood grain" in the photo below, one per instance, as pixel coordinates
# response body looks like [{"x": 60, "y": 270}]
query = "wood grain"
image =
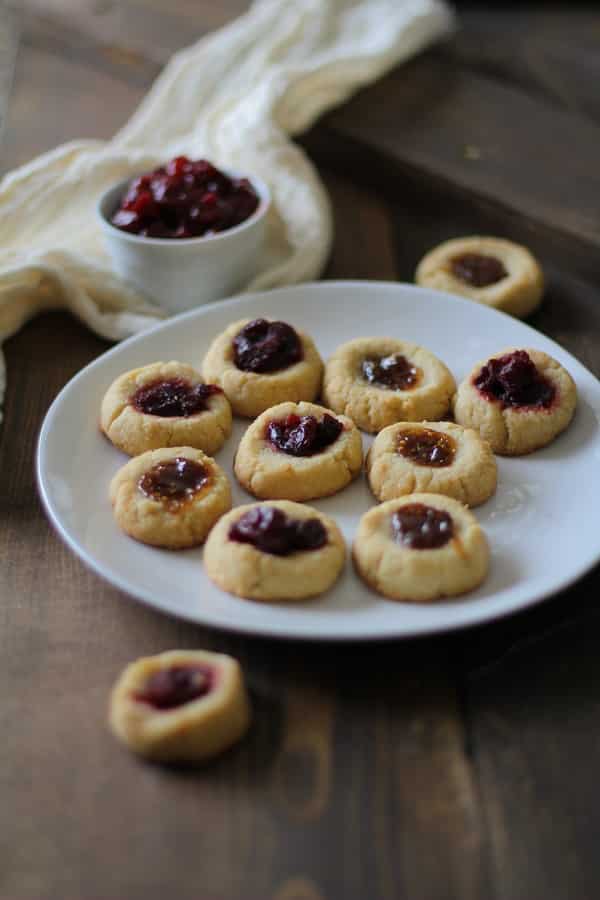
[{"x": 453, "y": 768}]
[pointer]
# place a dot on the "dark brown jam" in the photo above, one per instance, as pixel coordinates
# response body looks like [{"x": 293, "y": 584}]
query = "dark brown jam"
[
  {"x": 170, "y": 688},
  {"x": 173, "y": 397},
  {"x": 426, "y": 447},
  {"x": 175, "y": 481},
  {"x": 303, "y": 435},
  {"x": 514, "y": 380},
  {"x": 421, "y": 527},
  {"x": 394, "y": 372},
  {"x": 477, "y": 269},
  {"x": 263, "y": 346},
  {"x": 271, "y": 531}
]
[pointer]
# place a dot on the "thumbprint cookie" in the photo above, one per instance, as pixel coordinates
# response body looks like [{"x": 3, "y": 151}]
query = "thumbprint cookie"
[
  {"x": 170, "y": 497},
  {"x": 379, "y": 381},
  {"x": 165, "y": 405},
  {"x": 275, "y": 551},
  {"x": 180, "y": 706},
  {"x": 434, "y": 457},
  {"x": 519, "y": 400},
  {"x": 260, "y": 363},
  {"x": 420, "y": 548},
  {"x": 298, "y": 451},
  {"x": 489, "y": 270}
]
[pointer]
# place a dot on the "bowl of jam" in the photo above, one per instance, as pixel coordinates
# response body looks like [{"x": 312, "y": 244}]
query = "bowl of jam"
[{"x": 186, "y": 232}]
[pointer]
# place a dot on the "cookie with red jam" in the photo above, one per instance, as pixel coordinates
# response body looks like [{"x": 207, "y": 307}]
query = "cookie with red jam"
[
  {"x": 298, "y": 451},
  {"x": 180, "y": 706},
  {"x": 379, "y": 381},
  {"x": 260, "y": 362},
  {"x": 437, "y": 457},
  {"x": 170, "y": 497},
  {"x": 275, "y": 551},
  {"x": 165, "y": 405},
  {"x": 489, "y": 270},
  {"x": 420, "y": 548},
  {"x": 519, "y": 400}
]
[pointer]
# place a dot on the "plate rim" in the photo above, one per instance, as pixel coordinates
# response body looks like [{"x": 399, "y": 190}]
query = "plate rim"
[{"x": 276, "y": 631}]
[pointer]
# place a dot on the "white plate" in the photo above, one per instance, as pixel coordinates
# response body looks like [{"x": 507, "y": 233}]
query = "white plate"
[{"x": 543, "y": 523}]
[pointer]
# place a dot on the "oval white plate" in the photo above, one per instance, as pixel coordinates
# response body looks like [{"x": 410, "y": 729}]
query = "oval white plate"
[{"x": 543, "y": 530}]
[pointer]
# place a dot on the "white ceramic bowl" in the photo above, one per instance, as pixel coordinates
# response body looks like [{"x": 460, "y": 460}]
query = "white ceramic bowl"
[{"x": 180, "y": 274}]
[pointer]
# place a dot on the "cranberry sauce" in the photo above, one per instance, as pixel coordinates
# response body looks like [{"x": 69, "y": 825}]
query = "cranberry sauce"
[
  {"x": 477, "y": 269},
  {"x": 184, "y": 199},
  {"x": 176, "y": 480},
  {"x": 514, "y": 380},
  {"x": 303, "y": 435},
  {"x": 173, "y": 397},
  {"x": 421, "y": 527},
  {"x": 271, "y": 531},
  {"x": 394, "y": 372},
  {"x": 172, "y": 687},
  {"x": 426, "y": 447},
  {"x": 263, "y": 346}
]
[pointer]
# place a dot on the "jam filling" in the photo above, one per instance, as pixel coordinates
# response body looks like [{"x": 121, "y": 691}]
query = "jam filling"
[
  {"x": 263, "y": 346},
  {"x": 395, "y": 372},
  {"x": 170, "y": 688},
  {"x": 184, "y": 199},
  {"x": 271, "y": 531},
  {"x": 173, "y": 397},
  {"x": 514, "y": 380},
  {"x": 426, "y": 447},
  {"x": 176, "y": 480},
  {"x": 303, "y": 435},
  {"x": 421, "y": 527},
  {"x": 478, "y": 269}
]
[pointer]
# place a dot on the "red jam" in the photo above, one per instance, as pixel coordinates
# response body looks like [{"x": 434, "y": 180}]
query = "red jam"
[
  {"x": 421, "y": 527},
  {"x": 478, "y": 269},
  {"x": 514, "y": 380},
  {"x": 271, "y": 531},
  {"x": 263, "y": 346},
  {"x": 174, "y": 397},
  {"x": 176, "y": 480},
  {"x": 303, "y": 435},
  {"x": 394, "y": 372},
  {"x": 426, "y": 447},
  {"x": 172, "y": 687},
  {"x": 184, "y": 199}
]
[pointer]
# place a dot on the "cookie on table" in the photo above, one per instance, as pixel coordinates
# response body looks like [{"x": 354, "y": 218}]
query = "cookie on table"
[
  {"x": 170, "y": 497},
  {"x": 420, "y": 548},
  {"x": 435, "y": 457},
  {"x": 275, "y": 551},
  {"x": 379, "y": 381},
  {"x": 165, "y": 405},
  {"x": 180, "y": 706},
  {"x": 261, "y": 362},
  {"x": 298, "y": 451},
  {"x": 489, "y": 270},
  {"x": 518, "y": 400}
]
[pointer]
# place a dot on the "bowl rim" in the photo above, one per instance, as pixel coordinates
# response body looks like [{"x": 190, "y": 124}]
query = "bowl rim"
[{"x": 259, "y": 213}]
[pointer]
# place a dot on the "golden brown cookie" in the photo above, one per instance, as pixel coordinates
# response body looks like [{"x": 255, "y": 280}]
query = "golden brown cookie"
[
  {"x": 180, "y": 706},
  {"x": 379, "y": 381},
  {"x": 489, "y": 270},
  {"x": 518, "y": 400},
  {"x": 261, "y": 362},
  {"x": 275, "y": 551},
  {"x": 165, "y": 405},
  {"x": 438, "y": 457},
  {"x": 298, "y": 451},
  {"x": 170, "y": 497},
  {"x": 420, "y": 548}
]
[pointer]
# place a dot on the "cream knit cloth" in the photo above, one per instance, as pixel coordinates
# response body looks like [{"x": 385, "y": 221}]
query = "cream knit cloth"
[{"x": 235, "y": 97}]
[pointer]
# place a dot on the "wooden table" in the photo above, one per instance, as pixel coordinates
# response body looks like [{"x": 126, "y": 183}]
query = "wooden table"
[{"x": 462, "y": 766}]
